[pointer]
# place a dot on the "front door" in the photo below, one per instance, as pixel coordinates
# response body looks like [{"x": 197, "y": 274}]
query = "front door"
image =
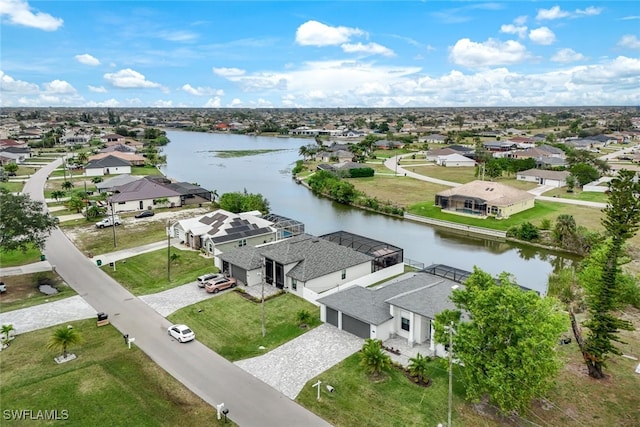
[
  {"x": 279, "y": 275},
  {"x": 141, "y": 205}
]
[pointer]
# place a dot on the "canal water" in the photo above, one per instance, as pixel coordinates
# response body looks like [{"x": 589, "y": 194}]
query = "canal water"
[{"x": 196, "y": 157}]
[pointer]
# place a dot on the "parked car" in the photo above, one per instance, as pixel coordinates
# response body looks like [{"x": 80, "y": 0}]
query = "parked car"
[
  {"x": 145, "y": 214},
  {"x": 182, "y": 333},
  {"x": 209, "y": 276},
  {"x": 215, "y": 286},
  {"x": 109, "y": 221},
  {"x": 3, "y": 287}
]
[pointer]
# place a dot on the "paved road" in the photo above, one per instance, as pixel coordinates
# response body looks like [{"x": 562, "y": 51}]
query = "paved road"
[{"x": 250, "y": 401}]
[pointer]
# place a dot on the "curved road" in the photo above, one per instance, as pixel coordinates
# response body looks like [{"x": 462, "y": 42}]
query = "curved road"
[{"x": 250, "y": 401}]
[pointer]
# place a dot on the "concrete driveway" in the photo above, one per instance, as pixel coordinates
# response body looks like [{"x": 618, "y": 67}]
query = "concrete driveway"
[{"x": 289, "y": 367}]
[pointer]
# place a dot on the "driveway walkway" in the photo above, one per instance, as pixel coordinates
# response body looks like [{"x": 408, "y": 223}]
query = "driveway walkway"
[
  {"x": 50, "y": 314},
  {"x": 289, "y": 367}
]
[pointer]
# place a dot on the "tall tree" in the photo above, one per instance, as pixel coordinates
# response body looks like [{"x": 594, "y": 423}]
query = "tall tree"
[
  {"x": 621, "y": 221},
  {"x": 24, "y": 223},
  {"x": 507, "y": 345}
]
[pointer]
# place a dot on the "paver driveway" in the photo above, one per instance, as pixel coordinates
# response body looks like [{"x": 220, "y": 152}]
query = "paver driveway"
[{"x": 289, "y": 367}]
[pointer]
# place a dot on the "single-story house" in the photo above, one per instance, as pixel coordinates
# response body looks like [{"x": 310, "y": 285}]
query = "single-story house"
[
  {"x": 112, "y": 137},
  {"x": 406, "y": 308},
  {"x": 544, "y": 177},
  {"x": 109, "y": 165},
  {"x": 132, "y": 158},
  {"x": 143, "y": 194},
  {"x": 297, "y": 263},
  {"x": 455, "y": 160},
  {"x": 220, "y": 231},
  {"x": 499, "y": 146},
  {"x": 484, "y": 198},
  {"x": 434, "y": 138},
  {"x": 110, "y": 184},
  {"x": 432, "y": 155}
]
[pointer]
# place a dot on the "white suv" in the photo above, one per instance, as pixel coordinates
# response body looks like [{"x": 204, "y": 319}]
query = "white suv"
[{"x": 209, "y": 276}]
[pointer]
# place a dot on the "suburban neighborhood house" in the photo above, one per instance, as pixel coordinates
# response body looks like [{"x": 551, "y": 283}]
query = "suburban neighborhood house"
[
  {"x": 544, "y": 177},
  {"x": 405, "y": 308},
  {"x": 484, "y": 198},
  {"x": 221, "y": 231},
  {"x": 151, "y": 192},
  {"x": 109, "y": 165},
  {"x": 455, "y": 160},
  {"x": 307, "y": 265}
]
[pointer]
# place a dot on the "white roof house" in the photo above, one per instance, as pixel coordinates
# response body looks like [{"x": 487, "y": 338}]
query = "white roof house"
[{"x": 455, "y": 160}]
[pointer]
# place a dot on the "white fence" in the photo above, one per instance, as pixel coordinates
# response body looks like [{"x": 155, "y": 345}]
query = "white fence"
[{"x": 365, "y": 281}]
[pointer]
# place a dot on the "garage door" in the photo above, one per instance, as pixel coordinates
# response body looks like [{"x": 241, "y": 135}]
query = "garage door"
[
  {"x": 240, "y": 274},
  {"x": 355, "y": 326},
  {"x": 332, "y": 317}
]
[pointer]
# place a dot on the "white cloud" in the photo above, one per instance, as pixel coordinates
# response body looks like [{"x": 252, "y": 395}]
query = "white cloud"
[
  {"x": 520, "y": 20},
  {"x": 162, "y": 104},
  {"x": 59, "y": 87},
  {"x": 567, "y": 55},
  {"x": 87, "y": 59},
  {"x": 213, "y": 103},
  {"x": 542, "y": 35},
  {"x": 97, "y": 89},
  {"x": 108, "y": 103},
  {"x": 201, "y": 91},
  {"x": 128, "y": 78},
  {"x": 9, "y": 84},
  {"x": 314, "y": 33},
  {"x": 549, "y": 14},
  {"x": 369, "y": 48},
  {"x": 178, "y": 36},
  {"x": 520, "y": 30},
  {"x": 630, "y": 41},
  {"x": 590, "y": 11},
  {"x": 556, "y": 13},
  {"x": 487, "y": 54},
  {"x": 236, "y": 102},
  {"x": 228, "y": 72},
  {"x": 20, "y": 13}
]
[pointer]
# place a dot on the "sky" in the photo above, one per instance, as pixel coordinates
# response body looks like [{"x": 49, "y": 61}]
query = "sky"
[{"x": 319, "y": 54}]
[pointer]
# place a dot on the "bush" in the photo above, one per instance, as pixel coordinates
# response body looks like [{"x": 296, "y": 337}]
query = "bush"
[
  {"x": 525, "y": 231},
  {"x": 361, "y": 172}
]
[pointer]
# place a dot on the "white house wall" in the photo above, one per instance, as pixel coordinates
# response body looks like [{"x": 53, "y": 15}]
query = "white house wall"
[
  {"x": 334, "y": 279},
  {"x": 134, "y": 205},
  {"x": 383, "y": 331}
]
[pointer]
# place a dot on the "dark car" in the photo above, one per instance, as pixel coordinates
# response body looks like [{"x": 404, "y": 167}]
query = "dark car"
[{"x": 145, "y": 214}]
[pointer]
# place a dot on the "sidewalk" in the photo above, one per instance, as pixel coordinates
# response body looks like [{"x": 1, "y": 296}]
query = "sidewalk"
[
  {"x": 128, "y": 253},
  {"x": 35, "y": 267}
]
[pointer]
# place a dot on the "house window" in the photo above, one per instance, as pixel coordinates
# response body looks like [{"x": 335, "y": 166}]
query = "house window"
[
  {"x": 468, "y": 204},
  {"x": 344, "y": 274},
  {"x": 404, "y": 324},
  {"x": 294, "y": 284},
  {"x": 242, "y": 242},
  {"x": 494, "y": 210}
]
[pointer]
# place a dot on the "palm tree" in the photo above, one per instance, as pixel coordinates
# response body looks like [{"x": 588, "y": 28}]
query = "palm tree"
[
  {"x": 67, "y": 185},
  {"x": 96, "y": 179},
  {"x": 214, "y": 195},
  {"x": 82, "y": 157},
  {"x": 57, "y": 194},
  {"x": 419, "y": 367},
  {"x": 374, "y": 359},
  {"x": 303, "y": 317},
  {"x": 5, "y": 331},
  {"x": 63, "y": 338}
]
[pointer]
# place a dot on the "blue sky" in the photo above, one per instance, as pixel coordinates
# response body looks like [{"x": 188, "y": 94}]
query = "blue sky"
[{"x": 319, "y": 53}]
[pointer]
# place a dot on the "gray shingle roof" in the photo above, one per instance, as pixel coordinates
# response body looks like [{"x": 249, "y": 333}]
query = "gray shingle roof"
[
  {"x": 107, "y": 162},
  {"x": 316, "y": 257},
  {"x": 247, "y": 257},
  {"x": 422, "y": 293},
  {"x": 142, "y": 189}
]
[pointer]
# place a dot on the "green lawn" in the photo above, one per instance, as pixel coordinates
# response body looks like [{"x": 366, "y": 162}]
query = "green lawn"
[
  {"x": 143, "y": 170},
  {"x": 13, "y": 187},
  {"x": 391, "y": 401},
  {"x": 128, "y": 235},
  {"x": 231, "y": 325},
  {"x": 147, "y": 273},
  {"x": 15, "y": 258},
  {"x": 461, "y": 175},
  {"x": 107, "y": 384},
  {"x": 586, "y": 196}
]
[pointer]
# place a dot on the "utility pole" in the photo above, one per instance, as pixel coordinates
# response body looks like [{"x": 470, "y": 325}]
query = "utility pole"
[
  {"x": 450, "y": 372},
  {"x": 113, "y": 224},
  {"x": 168, "y": 253}
]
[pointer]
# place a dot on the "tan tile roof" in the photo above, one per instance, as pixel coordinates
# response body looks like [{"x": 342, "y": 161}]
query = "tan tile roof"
[{"x": 491, "y": 192}]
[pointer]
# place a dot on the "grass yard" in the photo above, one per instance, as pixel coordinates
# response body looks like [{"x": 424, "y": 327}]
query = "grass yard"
[
  {"x": 587, "y": 196},
  {"x": 142, "y": 170},
  {"x": 88, "y": 238},
  {"x": 230, "y": 325},
  {"x": 107, "y": 384},
  {"x": 390, "y": 401},
  {"x": 147, "y": 273},
  {"x": 401, "y": 190},
  {"x": 12, "y": 187},
  {"x": 461, "y": 175},
  {"x": 22, "y": 290},
  {"x": 16, "y": 258}
]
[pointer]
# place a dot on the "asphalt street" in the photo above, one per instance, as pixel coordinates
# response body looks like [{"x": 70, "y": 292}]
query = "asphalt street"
[{"x": 250, "y": 401}]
